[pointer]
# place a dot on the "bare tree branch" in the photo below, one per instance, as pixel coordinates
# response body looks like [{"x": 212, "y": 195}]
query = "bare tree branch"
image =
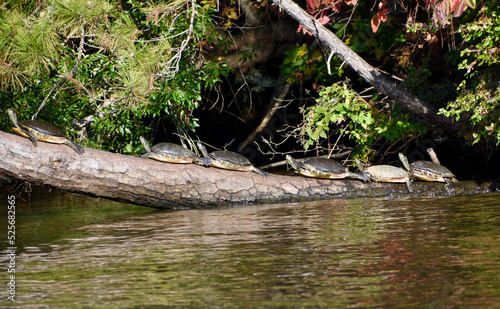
[{"x": 279, "y": 95}]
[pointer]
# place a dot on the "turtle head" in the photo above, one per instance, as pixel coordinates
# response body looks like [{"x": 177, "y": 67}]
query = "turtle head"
[
  {"x": 19, "y": 130},
  {"x": 361, "y": 166},
  {"x": 292, "y": 162},
  {"x": 202, "y": 149},
  {"x": 12, "y": 116},
  {"x": 145, "y": 144},
  {"x": 404, "y": 160}
]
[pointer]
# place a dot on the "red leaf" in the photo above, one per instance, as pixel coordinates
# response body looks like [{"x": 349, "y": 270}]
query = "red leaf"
[
  {"x": 445, "y": 7},
  {"x": 323, "y": 20},
  {"x": 336, "y": 7},
  {"x": 375, "y": 23},
  {"x": 312, "y": 4},
  {"x": 460, "y": 9},
  {"x": 382, "y": 16},
  {"x": 304, "y": 31}
]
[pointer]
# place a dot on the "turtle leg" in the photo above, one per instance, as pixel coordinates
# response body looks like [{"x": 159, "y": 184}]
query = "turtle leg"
[
  {"x": 367, "y": 176},
  {"x": 449, "y": 185},
  {"x": 27, "y": 134},
  {"x": 259, "y": 171},
  {"x": 408, "y": 185},
  {"x": 76, "y": 147},
  {"x": 31, "y": 136},
  {"x": 359, "y": 175},
  {"x": 204, "y": 161}
]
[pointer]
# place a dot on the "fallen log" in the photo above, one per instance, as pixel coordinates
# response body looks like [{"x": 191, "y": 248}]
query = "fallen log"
[{"x": 162, "y": 185}]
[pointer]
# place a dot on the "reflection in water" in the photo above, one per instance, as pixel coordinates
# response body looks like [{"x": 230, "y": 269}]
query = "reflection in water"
[{"x": 434, "y": 252}]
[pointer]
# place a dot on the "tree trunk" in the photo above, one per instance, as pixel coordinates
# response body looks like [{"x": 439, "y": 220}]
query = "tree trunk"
[
  {"x": 164, "y": 185},
  {"x": 385, "y": 85}
]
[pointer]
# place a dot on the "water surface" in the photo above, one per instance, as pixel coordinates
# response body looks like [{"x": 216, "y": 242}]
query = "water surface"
[{"x": 77, "y": 252}]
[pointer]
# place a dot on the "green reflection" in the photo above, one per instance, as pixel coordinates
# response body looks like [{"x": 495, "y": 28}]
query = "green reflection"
[{"x": 53, "y": 215}]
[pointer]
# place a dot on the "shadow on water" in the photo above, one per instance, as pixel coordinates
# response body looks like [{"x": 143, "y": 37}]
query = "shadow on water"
[
  {"x": 55, "y": 215},
  {"x": 360, "y": 253}
]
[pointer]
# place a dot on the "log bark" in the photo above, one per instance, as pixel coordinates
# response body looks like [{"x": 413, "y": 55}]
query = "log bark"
[
  {"x": 162, "y": 185},
  {"x": 385, "y": 85}
]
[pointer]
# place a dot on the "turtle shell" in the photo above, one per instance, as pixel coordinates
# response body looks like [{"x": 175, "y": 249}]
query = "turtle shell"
[
  {"x": 387, "y": 173},
  {"x": 227, "y": 160},
  {"x": 319, "y": 167},
  {"x": 230, "y": 160},
  {"x": 170, "y": 152},
  {"x": 322, "y": 167},
  {"x": 430, "y": 171},
  {"x": 42, "y": 129}
]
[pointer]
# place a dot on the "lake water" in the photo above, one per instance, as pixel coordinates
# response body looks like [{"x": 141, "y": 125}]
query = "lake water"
[{"x": 81, "y": 252}]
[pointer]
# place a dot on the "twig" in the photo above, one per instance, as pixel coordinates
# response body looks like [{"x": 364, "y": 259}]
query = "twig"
[
  {"x": 332, "y": 53},
  {"x": 275, "y": 104},
  {"x": 172, "y": 66}
]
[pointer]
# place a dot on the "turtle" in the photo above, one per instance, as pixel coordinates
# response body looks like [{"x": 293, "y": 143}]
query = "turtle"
[
  {"x": 168, "y": 152},
  {"x": 323, "y": 168},
  {"x": 228, "y": 160},
  {"x": 37, "y": 130},
  {"x": 386, "y": 173},
  {"x": 429, "y": 171}
]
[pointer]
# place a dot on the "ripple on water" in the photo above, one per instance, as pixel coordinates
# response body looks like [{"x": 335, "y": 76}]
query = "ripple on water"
[{"x": 409, "y": 252}]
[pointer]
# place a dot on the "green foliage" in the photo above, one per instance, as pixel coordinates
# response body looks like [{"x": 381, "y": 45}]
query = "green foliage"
[
  {"x": 418, "y": 79},
  {"x": 119, "y": 66},
  {"x": 302, "y": 63},
  {"x": 360, "y": 38},
  {"x": 338, "y": 105},
  {"x": 478, "y": 99},
  {"x": 22, "y": 53},
  {"x": 360, "y": 121},
  {"x": 481, "y": 107},
  {"x": 481, "y": 42}
]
